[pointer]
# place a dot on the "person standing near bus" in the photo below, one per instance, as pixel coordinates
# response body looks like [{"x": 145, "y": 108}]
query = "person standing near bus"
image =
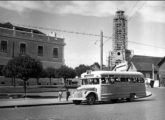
[
  {"x": 67, "y": 94},
  {"x": 152, "y": 83},
  {"x": 59, "y": 95}
]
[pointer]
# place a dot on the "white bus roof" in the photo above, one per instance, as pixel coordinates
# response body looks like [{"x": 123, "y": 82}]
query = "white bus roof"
[{"x": 98, "y": 73}]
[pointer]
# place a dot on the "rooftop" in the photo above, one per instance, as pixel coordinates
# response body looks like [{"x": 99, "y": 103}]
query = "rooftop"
[
  {"x": 10, "y": 26},
  {"x": 144, "y": 63}
]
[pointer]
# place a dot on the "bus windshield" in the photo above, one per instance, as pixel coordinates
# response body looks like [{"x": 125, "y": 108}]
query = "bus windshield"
[{"x": 90, "y": 81}]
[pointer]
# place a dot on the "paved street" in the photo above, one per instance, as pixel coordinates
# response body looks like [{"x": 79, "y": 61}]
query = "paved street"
[{"x": 151, "y": 108}]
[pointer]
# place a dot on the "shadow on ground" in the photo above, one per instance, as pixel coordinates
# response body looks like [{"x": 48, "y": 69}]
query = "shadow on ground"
[
  {"x": 17, "y": 96},
  {"x": 38, "y": 96},
  {"x": 120, "y": 101}
]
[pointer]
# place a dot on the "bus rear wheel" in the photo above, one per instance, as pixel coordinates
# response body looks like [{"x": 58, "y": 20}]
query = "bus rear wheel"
[
  {"x": 91, "y": 99},
  {"x": 76, "y": 102},
  {"x": 114, "y": 100},
  {"x": 131, "y": 98}
]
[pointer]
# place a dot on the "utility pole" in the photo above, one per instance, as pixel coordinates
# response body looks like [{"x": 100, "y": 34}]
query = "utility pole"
[
  {"x": 13, "y": 49},
  {"x": 101, "y": 50},
  {"x": 13, "y": 54},
  {"x": 13, "y": 42},
  {"x": 153, "y": 71},
  {"x": 109, "y": 61}
]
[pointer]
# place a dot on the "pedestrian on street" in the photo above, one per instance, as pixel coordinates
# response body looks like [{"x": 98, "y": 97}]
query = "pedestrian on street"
[
  {"x": 67, "y": 94},
  {"x": 59, "y": 95},
  {"x": 152, "y": 83}
]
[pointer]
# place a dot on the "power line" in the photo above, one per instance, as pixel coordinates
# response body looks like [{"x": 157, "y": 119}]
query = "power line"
[
  {"x": 64, "y": 31},
  {"x": 107, "y": 39},
  {"x": 81, "y": 33},
  {"x": 130, "y": 18},
  {"x": 131, "y": 8},
  {"x": 88, "y": 34},
  {"x": 146, "y": 44}
]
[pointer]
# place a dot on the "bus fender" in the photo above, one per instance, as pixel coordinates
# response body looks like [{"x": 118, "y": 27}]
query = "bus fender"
[{"x": 91, "y": 92}]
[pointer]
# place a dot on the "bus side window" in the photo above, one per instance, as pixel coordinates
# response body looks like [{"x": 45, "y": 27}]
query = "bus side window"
[
  {"x": 129, "y": 80},
  {"x": 141, "y": 80},
  {"x": 117, "y": 79},
  {"x": 82, "y": 82},
  {"x": 135, "y": 79},
  {"x": 138, "y": 80},
  {"x": 107, "y": 80},
  {"x": 132, "y": 79},
  {"x": 111, "y": 80},
  {"x": 123, "y": 79},
  {"x": 90, "y": 81},
  {"x": 103, "y": 80},
  {"x": 96, "y": 81}
]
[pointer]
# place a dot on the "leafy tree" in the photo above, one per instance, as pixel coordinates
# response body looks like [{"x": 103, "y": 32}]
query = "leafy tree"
[
  {"x": 23, "y": 67},
  {"x": 51, "y": 73},
  {"x": 95, "y": 66},
  {"x": 38, "y": 72},
  {"x": 81, "y": 69},
  {"x": 65, "y": 73},
  {"x": 1, "y": 68},
  {"x": 10, "y": 71}
]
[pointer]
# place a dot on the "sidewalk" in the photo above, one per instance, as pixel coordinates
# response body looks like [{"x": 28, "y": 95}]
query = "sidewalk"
[{"x": 23, "y": 102}]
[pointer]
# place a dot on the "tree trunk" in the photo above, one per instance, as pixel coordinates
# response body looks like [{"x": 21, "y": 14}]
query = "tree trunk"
[
  {"x": 50, "y": 80},
  {"x": 37, "y": 81},
  {"x": 14, "y": 81},
  {"x": 64, "y": 82},
  {"x": 24, "y": 88}
]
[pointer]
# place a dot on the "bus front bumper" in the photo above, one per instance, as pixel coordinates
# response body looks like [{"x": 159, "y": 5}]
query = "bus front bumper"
[{"x": 79, "y": 99}]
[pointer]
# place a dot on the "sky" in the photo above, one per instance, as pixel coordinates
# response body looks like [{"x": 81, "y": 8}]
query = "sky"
[{"x": 146, "y": 25}]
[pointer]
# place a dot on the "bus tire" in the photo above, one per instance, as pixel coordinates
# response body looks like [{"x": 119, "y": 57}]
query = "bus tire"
[
  {"x": 76, "y": 102},
  {"x": 114, "y": 100},
  {"x": 91, "y": 99},
  {"x": 131, "y": 98}
]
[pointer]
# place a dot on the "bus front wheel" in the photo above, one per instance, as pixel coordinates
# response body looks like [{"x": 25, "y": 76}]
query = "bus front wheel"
[{"x": 91, "y": 99}]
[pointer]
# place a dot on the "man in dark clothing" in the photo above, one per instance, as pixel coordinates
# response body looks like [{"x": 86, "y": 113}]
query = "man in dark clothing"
[
  {"x": 152, "y": 83},
  {"x": 67, "y": 94}
]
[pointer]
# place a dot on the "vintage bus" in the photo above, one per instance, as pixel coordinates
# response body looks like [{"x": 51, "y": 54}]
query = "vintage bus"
[{"x": 109, "y": 86}]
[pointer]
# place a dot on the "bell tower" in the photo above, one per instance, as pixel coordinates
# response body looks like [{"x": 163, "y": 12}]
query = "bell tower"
[{"x": 119, "y": 38}]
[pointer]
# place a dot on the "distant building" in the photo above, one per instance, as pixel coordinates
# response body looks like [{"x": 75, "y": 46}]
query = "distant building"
[
  {"x": 15, "y": 40},
  {"x": 161, "y": 71},
  {"x": 146, "y": 65}
]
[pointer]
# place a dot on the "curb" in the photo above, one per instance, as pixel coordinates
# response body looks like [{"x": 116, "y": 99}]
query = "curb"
[
  {"x": 31, "y": 105},
  {"x": 28, "y": 102}
]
